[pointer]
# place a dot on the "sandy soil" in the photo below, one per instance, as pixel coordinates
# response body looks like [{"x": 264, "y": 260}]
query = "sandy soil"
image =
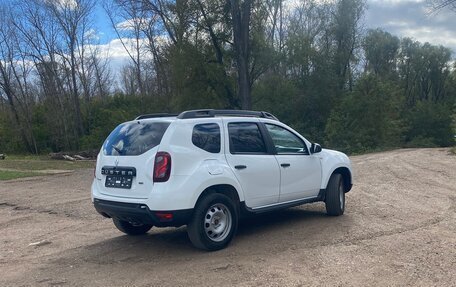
[{"x": 399, "y": 229}]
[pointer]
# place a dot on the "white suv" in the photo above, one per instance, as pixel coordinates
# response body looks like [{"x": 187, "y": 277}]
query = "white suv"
[{"x": 207, "y": 168}]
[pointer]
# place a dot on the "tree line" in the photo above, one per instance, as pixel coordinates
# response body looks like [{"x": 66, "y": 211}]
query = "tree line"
[{"x": 311, "y": 63}]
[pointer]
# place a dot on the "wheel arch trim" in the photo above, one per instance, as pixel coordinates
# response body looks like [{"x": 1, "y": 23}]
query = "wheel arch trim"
[
  {"x": 346, "y": 175},
  {"x": 225, "y": 188}
]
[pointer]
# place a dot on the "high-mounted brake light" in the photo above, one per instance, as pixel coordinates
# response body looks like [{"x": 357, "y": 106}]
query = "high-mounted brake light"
[{"x": 162, "y": 166}]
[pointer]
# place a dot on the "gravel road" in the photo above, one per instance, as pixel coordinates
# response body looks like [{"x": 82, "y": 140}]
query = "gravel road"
[{"x": 399, "y": 229}]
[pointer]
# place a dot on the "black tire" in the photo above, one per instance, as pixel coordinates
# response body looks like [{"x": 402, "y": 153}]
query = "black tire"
[
  {"x": 130, "y": 229},
  {"x": 335, "y": 195},
  {"x": 211, "y": 213}
]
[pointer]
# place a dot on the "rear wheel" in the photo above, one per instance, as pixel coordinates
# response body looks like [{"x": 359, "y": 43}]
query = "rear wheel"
[
  {"x": 335, "y": 195},
  {"x": 214, "y": 222},
  {"x": 131, "y": 229}
]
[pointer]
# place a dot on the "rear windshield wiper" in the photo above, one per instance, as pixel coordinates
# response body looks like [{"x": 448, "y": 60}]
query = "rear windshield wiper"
[{"x": 117, "y": 149}]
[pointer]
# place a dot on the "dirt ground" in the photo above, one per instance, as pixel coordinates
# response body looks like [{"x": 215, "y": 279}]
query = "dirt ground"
[{"x": 399, "y": 229}]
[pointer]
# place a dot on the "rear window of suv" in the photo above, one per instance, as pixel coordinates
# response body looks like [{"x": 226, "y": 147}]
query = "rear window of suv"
[{"x": 134, "y": 138}]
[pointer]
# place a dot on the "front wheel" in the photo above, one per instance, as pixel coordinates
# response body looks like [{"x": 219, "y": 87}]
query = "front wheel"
[
  {"x": 131, "y": 229},
  {"x": 335, "y": 195},
  {"x": 214, "y": 222}
]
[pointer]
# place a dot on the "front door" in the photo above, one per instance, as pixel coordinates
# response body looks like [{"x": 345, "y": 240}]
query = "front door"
[{"x": 300, "y": 171}]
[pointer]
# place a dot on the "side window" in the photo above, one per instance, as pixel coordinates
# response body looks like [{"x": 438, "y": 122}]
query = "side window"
[
  {"x": 207, "y": 137},
  {"x": 285, "y": 141},
  {"x": 246, "y": 138}
]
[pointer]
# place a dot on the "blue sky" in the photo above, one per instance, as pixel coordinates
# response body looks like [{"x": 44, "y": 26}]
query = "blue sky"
[{"x": 103, "y": 25}]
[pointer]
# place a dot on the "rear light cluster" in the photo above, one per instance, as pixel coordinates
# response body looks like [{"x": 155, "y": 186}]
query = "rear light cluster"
[{"x": 162, "y": 167}]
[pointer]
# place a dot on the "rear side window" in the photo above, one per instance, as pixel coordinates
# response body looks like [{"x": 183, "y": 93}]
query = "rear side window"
[
  {"x": 246, "y": 138},
  {"x": 207, "y": 137},
  {"x": 134, "y": 138}
]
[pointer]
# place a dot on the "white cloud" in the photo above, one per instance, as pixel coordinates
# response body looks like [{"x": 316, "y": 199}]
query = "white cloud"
[
  {"x": 413, "y": 18},
  {"x": 131, "y": 24},
  {"x": 432, "y": 35},
  {"x": 389, "y": 2},
  {"x": 92, "y": 35},
  {"x": 63, "y": 4}
]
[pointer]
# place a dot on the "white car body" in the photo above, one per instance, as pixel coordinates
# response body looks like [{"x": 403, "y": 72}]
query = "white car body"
[{"x": 267, "y": 182}]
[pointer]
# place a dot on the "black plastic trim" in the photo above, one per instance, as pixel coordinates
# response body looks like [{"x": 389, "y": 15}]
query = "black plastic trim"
[
  {"x": 322, "y": 195},
  {"x": 140, "y": 213},
  {"x": 158, "y": 115},
  {"x": 267, "y": 139},
  {"x": 283, "y": 205},
  {"x": 210, "y": 113}
]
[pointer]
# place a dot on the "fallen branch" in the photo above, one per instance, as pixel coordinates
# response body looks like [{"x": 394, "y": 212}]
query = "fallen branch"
[
  {"x": 74, "y": 156},
  {"x": 78, "y": 157},
  {"x": 67, "y": 157}
]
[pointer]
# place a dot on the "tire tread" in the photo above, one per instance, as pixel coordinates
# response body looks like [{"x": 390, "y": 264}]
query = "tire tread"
[{"x": 332, "y": 200}]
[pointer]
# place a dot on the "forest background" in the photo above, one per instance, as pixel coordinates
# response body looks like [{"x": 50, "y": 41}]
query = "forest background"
[{"x": 313, "y": 64}]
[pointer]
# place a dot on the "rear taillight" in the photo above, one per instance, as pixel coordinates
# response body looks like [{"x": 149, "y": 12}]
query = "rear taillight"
[{"x": 162, "y": 166}]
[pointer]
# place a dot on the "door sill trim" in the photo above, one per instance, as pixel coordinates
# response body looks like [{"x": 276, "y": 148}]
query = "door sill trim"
[{"x": 283, "y": 205}]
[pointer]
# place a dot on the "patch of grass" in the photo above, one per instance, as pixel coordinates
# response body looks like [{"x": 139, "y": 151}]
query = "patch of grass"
[
  {"x": 30, "y": 163},
  {"x": 26, "y": 157},
  {"x": 7, "y": 174}
]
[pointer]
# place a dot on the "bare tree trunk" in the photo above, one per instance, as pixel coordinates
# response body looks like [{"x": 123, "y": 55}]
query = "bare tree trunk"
[
  {"x": 5, "y": 84},
  {"x": 232, "y": 101},
  {"x": 77, "y": 106},
  {"x": 240, "y": 13},
  {"x": 13, "y": 81},
  {"x": 131, "y": 11},
  {"x": 72, "y": 20}
]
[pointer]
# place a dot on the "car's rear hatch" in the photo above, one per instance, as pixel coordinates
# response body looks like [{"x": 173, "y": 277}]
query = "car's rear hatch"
[{"x": 126, "y": 161}]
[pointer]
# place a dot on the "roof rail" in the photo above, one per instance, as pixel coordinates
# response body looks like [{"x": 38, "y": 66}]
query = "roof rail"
[
  {"x": 158, "y": 115},
  {"x": 233, "y": 113}
]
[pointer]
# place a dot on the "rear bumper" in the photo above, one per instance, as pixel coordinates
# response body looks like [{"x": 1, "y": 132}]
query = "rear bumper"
[{"x": 140, "y": 213}]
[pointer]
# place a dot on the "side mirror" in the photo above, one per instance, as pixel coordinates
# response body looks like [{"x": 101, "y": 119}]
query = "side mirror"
[{"x": 315, "y": 148}]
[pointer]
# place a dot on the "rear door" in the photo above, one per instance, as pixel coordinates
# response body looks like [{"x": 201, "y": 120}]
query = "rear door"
[
  {"x": 300, "y": 171},
  {"x": 252, "y": 161},
  {"x": 126, "y": 161}
]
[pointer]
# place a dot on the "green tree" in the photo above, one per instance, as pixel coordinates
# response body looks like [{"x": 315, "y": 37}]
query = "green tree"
[
  {"x": 381, "y": 52},
  {"x": 429, "y": 125},
  {"x": 367, "y": 118}
]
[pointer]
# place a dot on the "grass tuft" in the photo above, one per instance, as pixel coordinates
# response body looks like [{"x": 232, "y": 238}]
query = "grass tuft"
[
  {"x": 19, "y": 166},
  {"x": 30, "y": 163},
  {"x": 8, "y": 174}
]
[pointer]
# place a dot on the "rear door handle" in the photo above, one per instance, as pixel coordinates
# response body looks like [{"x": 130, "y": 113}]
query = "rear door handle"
[
  {"x": 240, "y": 166},
  {"x": 285, "y": 165}
]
